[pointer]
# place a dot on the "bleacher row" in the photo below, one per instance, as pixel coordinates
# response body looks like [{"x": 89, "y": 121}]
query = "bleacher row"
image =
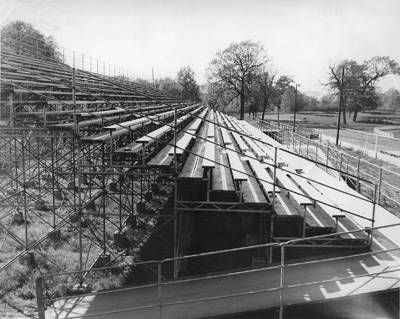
[
  {"x": 224, "y": 159},
  {"x": 43, "y": 90}
]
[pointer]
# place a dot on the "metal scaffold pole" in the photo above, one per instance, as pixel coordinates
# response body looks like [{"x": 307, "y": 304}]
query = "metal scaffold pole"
[
  {"x": 175, "y": 239},
  {"x": 282, "y": 281},
  {"x": 78, "y": 172},
  {"x": 103, "y": 197},
  {"x": 23, "y": 145}
]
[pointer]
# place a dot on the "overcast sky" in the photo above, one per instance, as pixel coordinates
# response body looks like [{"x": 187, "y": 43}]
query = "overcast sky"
[{"x": 302, "y": 37}]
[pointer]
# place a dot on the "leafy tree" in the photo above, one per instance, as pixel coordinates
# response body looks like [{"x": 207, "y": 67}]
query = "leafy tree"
[
  {"x": 369, "y": 100},
  {"x": 360, "y": 80},
  {"x": 351, "y": 81},
  {"x": 311, "y": 102},
  {"x": 190, "y": 88},
  {"x": 328, "y": 102},
  {"x": 234, "y": 69},
  {"x": 390, "y": 99},
  {"x": 265, "y": 89},
  {"x": 218, "y": 97},
  {"x": 22, "y": 38},
  {"x": 281, "y": 85},
  {"x": 169, "y": 86},
  {"x": 288, "y": 100}
]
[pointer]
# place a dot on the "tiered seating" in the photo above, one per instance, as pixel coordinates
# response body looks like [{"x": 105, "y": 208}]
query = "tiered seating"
[{"x": 44, "y": 91}]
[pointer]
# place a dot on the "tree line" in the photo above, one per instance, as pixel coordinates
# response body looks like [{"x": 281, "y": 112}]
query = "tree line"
[
  {"x": 184, "y": 85},
  {"x": 22, "y": 38},
  {"x": 356, "y": 83},
  {"x": 241, "y": 77}
]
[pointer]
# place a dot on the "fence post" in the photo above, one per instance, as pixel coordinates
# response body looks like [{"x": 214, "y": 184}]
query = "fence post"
[
  {"x": 282, "y": 281},
  {"x": 358, "y": 174},
  {"x": 316, "y": 152},
  {"x": 380, "y": 185},
  {"x": 40, "y": 298},
  {"x": 159, "y": 282},
  {"x": 340, "y": 164},
  {"x": 300, "y": 145},
  {"x": 376, "y": 145},
  {"x": 373, "y": 215},
  {"x": 327, "y": 158},
  {"x": 274, "y": 184},
  {"x": 308, "y": 144},
  {"x": 365, "y": 144}
]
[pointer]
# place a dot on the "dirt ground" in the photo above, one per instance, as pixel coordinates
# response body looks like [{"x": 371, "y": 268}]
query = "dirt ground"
[{"x": 6, "y": 312}]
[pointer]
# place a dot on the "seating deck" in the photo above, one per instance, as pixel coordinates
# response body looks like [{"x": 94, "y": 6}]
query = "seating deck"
[
  {"x": 241, "y": 144},
  {"x": 225, "y": 136},
  {"x": 292, "y": 188},
  {"x": 155, "y": 135},
  {"x": 193, "y": 165},
  {"x": 236, "y": 166},
  {"x": 222, "y": 176},
  {"x": 209, "y": 154},
  {"x": 263, "y": 176}
]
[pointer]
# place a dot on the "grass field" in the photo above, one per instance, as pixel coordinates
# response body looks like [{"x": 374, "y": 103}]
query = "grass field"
[{"x": 328, "y": 120}]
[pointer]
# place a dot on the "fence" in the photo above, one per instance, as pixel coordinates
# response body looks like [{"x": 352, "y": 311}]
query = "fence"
[
  {"x": 358, "y": 172},
  {"x": 374, "y": 145},
  {"x": 34, "y": 47},
  {"x": 279, "y": 281}
]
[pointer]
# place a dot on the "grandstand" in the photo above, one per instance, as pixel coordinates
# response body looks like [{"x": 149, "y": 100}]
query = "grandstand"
[{"x": 100, "y": 158}]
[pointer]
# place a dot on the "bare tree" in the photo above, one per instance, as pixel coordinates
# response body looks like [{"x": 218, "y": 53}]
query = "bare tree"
[{"x": 235, "y": 68}]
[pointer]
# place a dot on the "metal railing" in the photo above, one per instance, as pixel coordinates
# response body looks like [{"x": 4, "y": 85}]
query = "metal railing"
[
  {"x": 75, "y": 59},
  {"x": 356, "y": 170},
  {"x": 160, "y": 280}
]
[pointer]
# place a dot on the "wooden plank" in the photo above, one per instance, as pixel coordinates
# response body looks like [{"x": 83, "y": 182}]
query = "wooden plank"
[
  {"x": 254, "y": 147},
  {"x": 291, "y": 187},
  {"x": 222, "y": 179},
  {"x": 154, "y": 135},
  {"x": 195, "y": 124},
  {"x": 209, "y": 154},
  {"x": 165, "y": 156},
  {"x": 211, "y": 130},
  {"x": 130, "y": 148},
  {"x": 251, "y": 190},
  {"x": 239, "y": 141},
  {"x": 238, "y": 171},
  {"x": 226, "y": 137},
  {"x": 193, "y": 165},
  {"x": 181, "y": 144},
  {"x": 264, "y": 178}
]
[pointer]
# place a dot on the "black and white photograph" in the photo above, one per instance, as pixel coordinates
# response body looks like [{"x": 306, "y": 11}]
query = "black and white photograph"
[{"x": 199, "y": 159}]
